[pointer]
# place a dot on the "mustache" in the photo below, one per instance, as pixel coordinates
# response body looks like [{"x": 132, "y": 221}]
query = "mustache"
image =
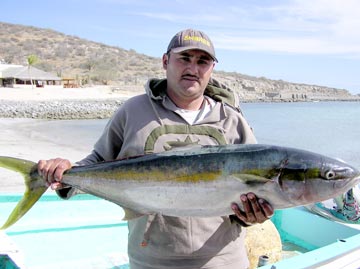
[{"x": 190, "y": 76}]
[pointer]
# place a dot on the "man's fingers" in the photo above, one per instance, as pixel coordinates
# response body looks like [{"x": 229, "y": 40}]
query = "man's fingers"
[
  {"x": 266, "y": 208},
  {"x": 61, "y": 167},
  {"x": 254, "y": 210},
  {"x": 52, "y": 170},
  {"x": 239, "y": 214},
  {"x": 56, "y": 186}
]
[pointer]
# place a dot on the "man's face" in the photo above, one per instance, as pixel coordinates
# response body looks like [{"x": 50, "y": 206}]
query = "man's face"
[{"x": 188, "y": 74}]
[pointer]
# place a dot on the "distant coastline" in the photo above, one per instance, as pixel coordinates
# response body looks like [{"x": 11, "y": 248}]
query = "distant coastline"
[{"x": 83, "y": 103}]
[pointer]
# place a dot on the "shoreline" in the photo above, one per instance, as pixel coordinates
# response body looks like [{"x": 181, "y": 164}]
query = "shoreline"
[
  {"x": 27, "y": 139},
  {"x": 62, "y": 103},
  {"x": 98, "y": 102},
  {"x": 60, "y": 109}
]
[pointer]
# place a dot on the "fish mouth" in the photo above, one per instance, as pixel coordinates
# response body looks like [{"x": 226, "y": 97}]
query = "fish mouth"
[
  {"x": 350, "y": 176},
  {"x": 340, "y": 172},
  {"x": 350, "y": 172}
]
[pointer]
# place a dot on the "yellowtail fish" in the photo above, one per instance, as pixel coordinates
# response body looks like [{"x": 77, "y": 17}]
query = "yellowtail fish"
[{"x": 199, "y": 181}]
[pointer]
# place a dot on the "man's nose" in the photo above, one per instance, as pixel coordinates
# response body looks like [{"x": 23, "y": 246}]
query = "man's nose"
[{"x": 193, "y": 67}]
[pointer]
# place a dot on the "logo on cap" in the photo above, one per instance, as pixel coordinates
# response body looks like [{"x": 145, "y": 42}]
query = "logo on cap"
[{"x": 197, "y": 39}]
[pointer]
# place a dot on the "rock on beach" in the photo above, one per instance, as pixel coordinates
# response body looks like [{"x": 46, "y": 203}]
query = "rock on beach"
[
  {"x": 79, "y": 103},
  {"x": 64, "y": 109}
]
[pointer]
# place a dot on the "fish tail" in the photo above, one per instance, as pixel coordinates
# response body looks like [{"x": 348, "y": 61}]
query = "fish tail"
[{"x": 34, "y": 187}]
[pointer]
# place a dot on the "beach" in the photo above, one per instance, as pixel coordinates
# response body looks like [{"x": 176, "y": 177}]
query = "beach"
[
  {"x": 20, "y": 137},
  {"x": 51, "y": 94},
  {"x": 63, "y": 103}
]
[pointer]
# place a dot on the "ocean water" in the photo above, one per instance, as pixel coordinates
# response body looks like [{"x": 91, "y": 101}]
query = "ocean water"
[{"x": 329, "y": 128}]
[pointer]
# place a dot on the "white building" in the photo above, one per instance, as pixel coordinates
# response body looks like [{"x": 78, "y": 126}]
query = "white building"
[{"x": 18, "y": 76}]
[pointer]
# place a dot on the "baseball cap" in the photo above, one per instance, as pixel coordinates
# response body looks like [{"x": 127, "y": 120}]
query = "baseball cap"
[{"x": 191, "y": 39}]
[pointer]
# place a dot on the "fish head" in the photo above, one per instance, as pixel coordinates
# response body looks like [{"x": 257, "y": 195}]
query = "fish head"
[{"x": 307, "y": 177}]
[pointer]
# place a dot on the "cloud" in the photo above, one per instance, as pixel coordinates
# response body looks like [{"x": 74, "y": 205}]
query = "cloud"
[
  {"x": 304, "y": 26},
  {"x": 300, "y": 45},
  {"x": 293, "y": 26}
]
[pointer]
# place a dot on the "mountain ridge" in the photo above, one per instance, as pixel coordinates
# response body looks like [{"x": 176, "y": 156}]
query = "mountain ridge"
[{"x": 91, "y": 62}]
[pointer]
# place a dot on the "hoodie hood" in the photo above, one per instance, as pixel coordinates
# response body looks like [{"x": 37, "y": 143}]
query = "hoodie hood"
[{"x": 156, "y": 89}]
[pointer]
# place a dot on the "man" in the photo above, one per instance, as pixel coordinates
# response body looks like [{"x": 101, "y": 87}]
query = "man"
[{"x": 187, "y": 107}]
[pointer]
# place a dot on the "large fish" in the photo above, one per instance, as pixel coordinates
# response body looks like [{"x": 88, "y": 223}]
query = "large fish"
[{"x": 200, "y": 181}]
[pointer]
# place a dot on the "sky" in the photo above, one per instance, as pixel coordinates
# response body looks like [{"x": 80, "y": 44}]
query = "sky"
[{"x": 302, "y": 41}]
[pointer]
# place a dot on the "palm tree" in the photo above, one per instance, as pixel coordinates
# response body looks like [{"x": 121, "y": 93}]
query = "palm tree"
[{"x": 31, "y": 60}]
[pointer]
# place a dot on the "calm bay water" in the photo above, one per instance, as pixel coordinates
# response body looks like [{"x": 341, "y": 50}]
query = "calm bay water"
[{"x": 330, "y": 128}]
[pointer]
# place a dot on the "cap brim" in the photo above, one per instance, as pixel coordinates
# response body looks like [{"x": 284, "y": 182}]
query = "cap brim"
[{"x": 182, "y": 49}]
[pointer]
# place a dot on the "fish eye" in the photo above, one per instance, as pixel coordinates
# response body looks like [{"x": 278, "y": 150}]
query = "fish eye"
[{"x": 330, "y": 174}]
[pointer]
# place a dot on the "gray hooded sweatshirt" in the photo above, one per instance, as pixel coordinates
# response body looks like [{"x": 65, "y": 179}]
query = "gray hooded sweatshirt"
[{"x": 148, "y": 124}]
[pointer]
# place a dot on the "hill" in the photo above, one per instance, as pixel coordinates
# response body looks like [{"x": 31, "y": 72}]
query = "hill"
[{"x": 96, "y": 63}]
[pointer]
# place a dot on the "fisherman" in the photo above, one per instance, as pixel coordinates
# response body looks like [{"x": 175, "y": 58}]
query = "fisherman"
[{"x": 186, "y": 108}]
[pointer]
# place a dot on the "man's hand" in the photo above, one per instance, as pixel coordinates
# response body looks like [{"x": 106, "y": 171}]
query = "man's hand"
[
  {"x": 255, "y": 210},
  {"x": 52, "y": 171}
]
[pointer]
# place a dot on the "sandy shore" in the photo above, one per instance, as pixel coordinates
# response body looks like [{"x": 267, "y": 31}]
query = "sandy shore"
[
  {"x": 48, "y": 94},
  {"x": 60, "y": 103},
  {"x": 19, "y": 137}
]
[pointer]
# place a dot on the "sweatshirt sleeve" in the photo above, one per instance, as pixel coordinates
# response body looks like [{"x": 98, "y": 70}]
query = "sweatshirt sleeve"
[{"x": 106, "y": 148}]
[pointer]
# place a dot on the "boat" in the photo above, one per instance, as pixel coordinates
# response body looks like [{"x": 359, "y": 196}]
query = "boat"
[{"x": 88, "y": 232}]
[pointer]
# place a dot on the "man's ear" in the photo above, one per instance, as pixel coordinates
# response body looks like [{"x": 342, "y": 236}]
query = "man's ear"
[{"x": 165, "y": 60}]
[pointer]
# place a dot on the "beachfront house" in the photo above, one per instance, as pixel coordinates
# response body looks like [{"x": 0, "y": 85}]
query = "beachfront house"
[{"x": 18, "y": 76}]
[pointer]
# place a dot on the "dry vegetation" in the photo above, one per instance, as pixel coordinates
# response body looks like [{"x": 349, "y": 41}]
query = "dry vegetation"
[
  {"x": 94, "y": 63},
  {"x": 73, "y": 57}
]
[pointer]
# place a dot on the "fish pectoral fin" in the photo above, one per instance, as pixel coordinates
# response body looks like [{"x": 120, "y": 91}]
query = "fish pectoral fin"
[
  {"x": 131, "y": 214},
  {"x": 251, "y": 178}
]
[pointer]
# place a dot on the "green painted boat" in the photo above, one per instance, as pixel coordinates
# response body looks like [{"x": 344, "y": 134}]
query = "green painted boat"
[{"x": 87, "y": 232}]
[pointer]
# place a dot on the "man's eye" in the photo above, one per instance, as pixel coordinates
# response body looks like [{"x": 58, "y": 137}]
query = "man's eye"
[
  {"x": 204, "y": 62},
  {"x": 186, "y": 59}
]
